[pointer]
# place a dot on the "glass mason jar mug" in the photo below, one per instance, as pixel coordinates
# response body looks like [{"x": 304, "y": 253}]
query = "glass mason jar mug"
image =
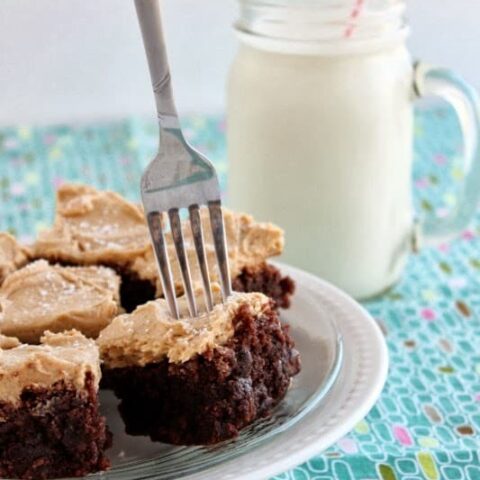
[{"x": 319, "y": 130}]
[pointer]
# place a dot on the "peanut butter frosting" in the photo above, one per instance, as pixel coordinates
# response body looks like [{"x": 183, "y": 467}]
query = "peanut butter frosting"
[
  {"x": 150, "y": 333},
  {"x": 250, "y": 243},
  {"x": 12, "y": 255},
  {"x": 42, "y": 297},
  {"x": 64, "y": 356},
  {"x": 8, "y": 342},
  {"x": 93, "y": 226}
]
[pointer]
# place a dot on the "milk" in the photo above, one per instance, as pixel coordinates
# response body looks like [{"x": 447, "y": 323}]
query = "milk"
[{"x": 322, "y": 145}]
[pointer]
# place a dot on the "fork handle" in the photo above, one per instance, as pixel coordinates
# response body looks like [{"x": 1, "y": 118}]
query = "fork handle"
[{"x": 148, "y": 13}]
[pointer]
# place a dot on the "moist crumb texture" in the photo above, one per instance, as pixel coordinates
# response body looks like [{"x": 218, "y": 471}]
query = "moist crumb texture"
[
  {"x": 212, "y": 396},
  {"x": 268, "y": 280},
  {"x": 135, "y": 292},
  {"x": 53, "y": 432}
]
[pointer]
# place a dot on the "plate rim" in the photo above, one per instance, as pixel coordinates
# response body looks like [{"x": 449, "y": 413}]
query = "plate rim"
[{"x": 376, "y": 381}]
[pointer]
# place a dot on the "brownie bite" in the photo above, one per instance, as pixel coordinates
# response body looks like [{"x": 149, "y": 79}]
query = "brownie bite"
[
  {"x": 50, "y": 425},
  {"x": 98, "y": 227},
  {"x": 198, "y": 380},
  {"x": 12, "y": 255},
  {"x": 42, "y": 297}
]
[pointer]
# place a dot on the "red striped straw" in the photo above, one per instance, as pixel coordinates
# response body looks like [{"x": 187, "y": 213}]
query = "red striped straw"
[{"x": 354, "y": 14}]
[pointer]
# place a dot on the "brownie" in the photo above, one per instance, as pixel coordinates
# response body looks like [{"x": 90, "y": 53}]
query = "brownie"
[
  {"x": 213, "y": 395},
  {"x": 50, "y": 424},
  {"x": 94, "y": 227},
  {"x": 266, "y": 279},
  {"x": 41, "y": 297},
  {"x": 135, "y": 291},
  {"x": 53, "y": 432}
]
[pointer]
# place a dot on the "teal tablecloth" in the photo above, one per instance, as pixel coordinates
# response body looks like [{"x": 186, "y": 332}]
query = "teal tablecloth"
[{"x": 426, "y": 424}]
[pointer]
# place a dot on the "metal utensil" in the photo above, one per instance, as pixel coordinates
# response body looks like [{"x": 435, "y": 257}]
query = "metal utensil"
[{"x": 178, "y": 177}]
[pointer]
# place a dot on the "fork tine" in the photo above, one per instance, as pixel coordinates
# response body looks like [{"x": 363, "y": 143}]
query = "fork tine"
[
  {"x": 177, "y": 235},
  {"x": 156, "y": 232},
  {"x": 220, "y": 242},
  {"x": 197, "y": 232}
]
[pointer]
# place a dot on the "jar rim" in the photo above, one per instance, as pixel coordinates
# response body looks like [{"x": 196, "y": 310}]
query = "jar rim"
[
  {"x": 317, "y": 48},
  {"x": 306, "y": 26}
]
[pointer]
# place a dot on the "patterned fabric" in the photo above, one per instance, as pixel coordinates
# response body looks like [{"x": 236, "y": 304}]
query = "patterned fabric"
[{"x": 426, "y": 424}]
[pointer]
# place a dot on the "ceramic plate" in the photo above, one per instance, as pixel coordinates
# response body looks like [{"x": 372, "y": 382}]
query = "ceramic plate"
[{"x": 344, "y": 366}]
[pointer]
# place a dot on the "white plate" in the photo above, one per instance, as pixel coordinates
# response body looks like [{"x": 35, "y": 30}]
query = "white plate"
[{"x": 345, "y": 365}]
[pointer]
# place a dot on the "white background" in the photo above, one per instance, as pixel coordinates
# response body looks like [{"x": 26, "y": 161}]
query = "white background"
[{"x": 82, "y": 59}]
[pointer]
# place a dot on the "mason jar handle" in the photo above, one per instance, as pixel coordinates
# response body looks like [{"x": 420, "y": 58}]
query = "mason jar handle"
[{"x": 444, "y": 83}]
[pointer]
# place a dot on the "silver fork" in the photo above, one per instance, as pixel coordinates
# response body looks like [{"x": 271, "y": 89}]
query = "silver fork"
[{"x": 178, "y": 177}]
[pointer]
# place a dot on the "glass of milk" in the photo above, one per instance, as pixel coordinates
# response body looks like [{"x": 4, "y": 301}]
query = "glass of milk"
[{"x": 320, "y": 128}]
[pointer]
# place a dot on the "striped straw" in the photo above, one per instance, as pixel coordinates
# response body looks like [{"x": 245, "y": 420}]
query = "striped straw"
[{"x": 354, "y": 14}]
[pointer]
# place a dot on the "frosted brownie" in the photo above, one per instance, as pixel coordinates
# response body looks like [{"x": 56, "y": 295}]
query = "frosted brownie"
[
  {"x": 42, "y": 297},
  {"x": 250, "y": 244},
  {"x": 50, "y": 425},
  {"x": 99, "y": 227},
  {"x": 198, "y": 380},
  {"x": 12, "y": 255},
  {"x": 93, "y": 227}
]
